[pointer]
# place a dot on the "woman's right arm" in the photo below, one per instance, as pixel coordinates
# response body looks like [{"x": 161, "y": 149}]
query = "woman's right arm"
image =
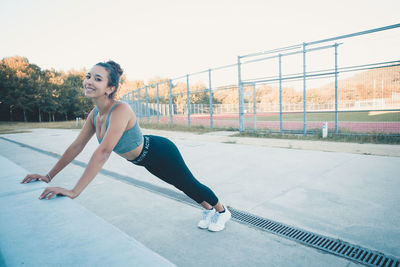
[{"x": 88, "y": 130}]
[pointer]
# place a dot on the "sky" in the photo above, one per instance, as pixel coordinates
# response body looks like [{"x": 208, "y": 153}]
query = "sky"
[{"x": 170, "y": 38}]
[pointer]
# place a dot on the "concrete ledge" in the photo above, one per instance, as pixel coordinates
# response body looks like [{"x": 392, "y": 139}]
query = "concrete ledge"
[{"x": 59, "y": 232}]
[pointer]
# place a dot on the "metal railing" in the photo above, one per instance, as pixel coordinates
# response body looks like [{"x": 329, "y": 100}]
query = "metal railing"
[{"x": 290, "y": 89}]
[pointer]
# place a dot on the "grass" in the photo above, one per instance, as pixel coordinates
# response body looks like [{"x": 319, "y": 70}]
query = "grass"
[
  {"x": 24, "y": 127},
  {"x": 341, "y": 137},
  {"x": 330, "y": 116},
  {"x": 176, "y": 127},
  {"x": 21, "y": 127}
]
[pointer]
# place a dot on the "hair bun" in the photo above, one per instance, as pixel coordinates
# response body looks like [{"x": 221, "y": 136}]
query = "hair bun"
[{"x": 116, "y": 67}]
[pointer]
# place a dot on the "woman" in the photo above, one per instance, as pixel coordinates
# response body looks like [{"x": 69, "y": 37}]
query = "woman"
[{"x": 117, "y": 129}]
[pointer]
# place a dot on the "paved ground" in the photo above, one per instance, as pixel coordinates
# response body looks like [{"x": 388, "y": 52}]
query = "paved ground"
[
  {"x": 60, "y": 232},
  {"x": 349, "y": 193}
]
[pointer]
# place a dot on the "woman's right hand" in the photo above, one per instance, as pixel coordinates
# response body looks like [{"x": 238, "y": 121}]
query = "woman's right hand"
[{"x": 35, "y": 177}]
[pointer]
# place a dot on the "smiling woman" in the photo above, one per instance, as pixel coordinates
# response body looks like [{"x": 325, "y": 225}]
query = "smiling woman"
[{"x": 116, "y": 128}]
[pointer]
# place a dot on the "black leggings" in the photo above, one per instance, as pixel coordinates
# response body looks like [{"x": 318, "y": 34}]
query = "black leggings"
[{"x": 162, "y": 158}]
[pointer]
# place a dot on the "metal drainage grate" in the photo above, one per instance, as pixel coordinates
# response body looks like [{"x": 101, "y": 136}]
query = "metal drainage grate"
[
  {"x": 334, "y": 246},
  {"x": 327, "y": 244}
]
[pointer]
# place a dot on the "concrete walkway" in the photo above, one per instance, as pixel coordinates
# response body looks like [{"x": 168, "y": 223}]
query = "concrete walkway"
[
  {"x": 348, "y": 196},
  {"x": 59, "y": 232}
]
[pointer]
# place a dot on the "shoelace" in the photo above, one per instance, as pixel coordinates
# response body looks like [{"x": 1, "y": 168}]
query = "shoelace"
[
  {"x": 215, "y": 217},
  {"x": 205, "y": 213}
]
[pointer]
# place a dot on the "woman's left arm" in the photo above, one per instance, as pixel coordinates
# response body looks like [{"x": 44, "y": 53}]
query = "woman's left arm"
[{"x": 118, "y": 122}]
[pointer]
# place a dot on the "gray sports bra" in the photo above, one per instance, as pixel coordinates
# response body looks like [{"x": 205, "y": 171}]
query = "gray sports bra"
[{"x": 129, "y": 140}]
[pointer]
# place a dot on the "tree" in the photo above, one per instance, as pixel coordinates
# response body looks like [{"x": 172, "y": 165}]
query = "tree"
[
  {"x": 25, "y": 88},
  {"x": 20, "y": 81},
  {"x": 72, "y": 99},
  {"x": 50, "y": 93},
  {"x": 128, "y": 86},
  {"x": 6, "y": 79}
]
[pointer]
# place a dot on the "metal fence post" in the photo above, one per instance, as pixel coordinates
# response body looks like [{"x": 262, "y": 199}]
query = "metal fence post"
[
  {"x": 280, "y": 93},
  {"x": 336, "y": 89},
  {"x": 211, "y": 98},
  {"x": 147, "y": 105},
  {"x": 304, "y": 91},
  {"x": 170, "y": 102},
  {"x": 240, "y": 91},
  {"x": 135, "y": 101},
  {"x": 255, "y": 106},
  {"x": 139, "y": 105},
  {"x": 130, "y": 99},
  {"x": 158, "y": 106},
  {"x": 188, "y": 99}
]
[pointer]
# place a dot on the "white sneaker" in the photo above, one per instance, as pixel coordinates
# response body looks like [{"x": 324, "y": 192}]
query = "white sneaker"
[
  {"x": 206, "y": 219},
  {"x": 218, "y": 221}
]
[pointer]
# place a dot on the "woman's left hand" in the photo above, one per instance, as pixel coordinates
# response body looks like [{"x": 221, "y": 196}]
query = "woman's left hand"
[{"x": 50, "y": 192}]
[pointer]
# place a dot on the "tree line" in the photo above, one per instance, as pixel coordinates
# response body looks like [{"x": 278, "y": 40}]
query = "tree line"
[{"x": 29, "y": 93}]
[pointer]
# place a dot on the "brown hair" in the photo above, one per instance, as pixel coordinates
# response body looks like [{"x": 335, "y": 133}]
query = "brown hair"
[{"x": 114, "y": 73}]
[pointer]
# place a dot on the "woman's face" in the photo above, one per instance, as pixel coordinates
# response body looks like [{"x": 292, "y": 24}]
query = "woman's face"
[{"x": 96, "y": 83}]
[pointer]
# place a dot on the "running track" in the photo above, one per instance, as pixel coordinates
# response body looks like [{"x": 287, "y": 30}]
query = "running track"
[{"x": 353, "y": 127}]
